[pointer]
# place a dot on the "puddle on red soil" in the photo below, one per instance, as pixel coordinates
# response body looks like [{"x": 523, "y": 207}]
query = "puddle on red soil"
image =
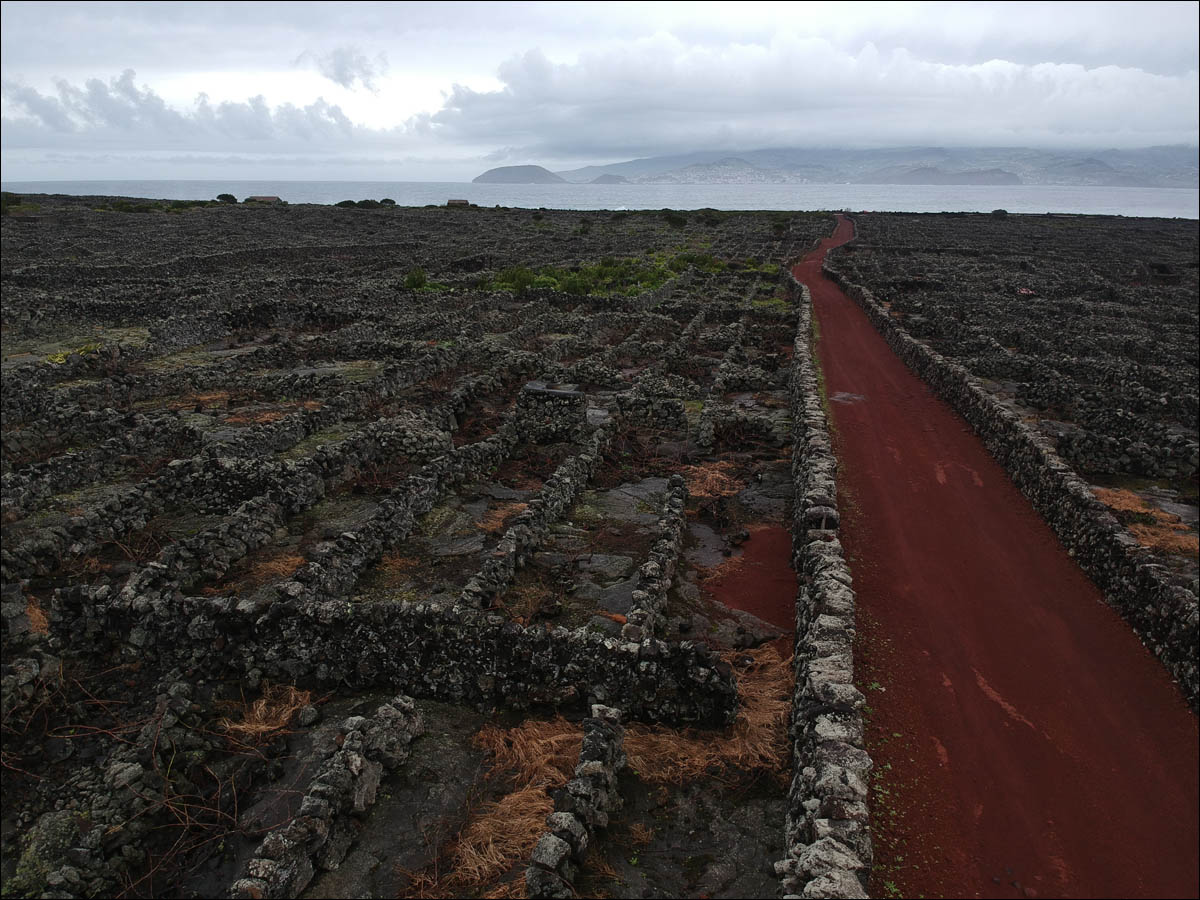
[{"x": 763, "y": 582}]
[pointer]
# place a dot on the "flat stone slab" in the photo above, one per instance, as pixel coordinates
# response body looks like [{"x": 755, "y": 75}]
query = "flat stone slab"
[
  {"x": 605, "y": 566},
  {"x": 456, "y": 546}
]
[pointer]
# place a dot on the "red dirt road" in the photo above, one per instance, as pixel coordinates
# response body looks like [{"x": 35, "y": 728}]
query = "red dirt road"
[{"x": 1036, "y": 748}]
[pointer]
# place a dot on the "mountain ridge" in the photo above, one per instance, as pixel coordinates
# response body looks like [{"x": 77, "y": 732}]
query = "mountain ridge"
[{"x": 1159, "y": 166}]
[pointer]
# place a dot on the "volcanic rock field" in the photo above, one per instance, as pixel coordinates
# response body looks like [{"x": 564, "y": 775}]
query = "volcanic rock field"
[{"x": 492, "y": 552}]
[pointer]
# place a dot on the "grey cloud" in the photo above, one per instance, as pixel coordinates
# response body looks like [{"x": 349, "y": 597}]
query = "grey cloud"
[
  {"x": 120, "y": 114},
  {"x": 47, "y": 110},
  {"x": 662, "y": 96},
  {"x": 347, "y": 65}
]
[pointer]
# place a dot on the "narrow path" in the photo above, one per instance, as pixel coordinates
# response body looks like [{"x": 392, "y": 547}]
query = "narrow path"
[{"x": 1035, "y": 747}]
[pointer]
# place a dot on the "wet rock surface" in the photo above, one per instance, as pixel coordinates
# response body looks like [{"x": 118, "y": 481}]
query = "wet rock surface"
[{"x": 692, "y": 841}]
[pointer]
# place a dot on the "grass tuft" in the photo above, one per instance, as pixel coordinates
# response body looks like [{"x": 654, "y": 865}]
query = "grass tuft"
[
  {"x": 712, "y": 480},
  {"x": 1154, "y": 528},
  {"x": 269, "y": 714},
  {"x": 38, "y": 623}
]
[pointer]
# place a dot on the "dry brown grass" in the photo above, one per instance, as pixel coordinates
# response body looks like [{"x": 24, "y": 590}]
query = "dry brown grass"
[
  {"x": 541, "y": 756},
  {"x": 712, "y": 480},
  {"x": 1166, "y": 532},
  {"x": 38, "y": 623},
  {"x": 731, "y": 566},
  {"x": 1172, "y": 539},
  {"x": 507, "y": 890},
  {"x": 502, "y": 836},
  {"x": 274, "y": 567},
  {"x": 262, "y": 571},
  {"x": 640, "y": 834},
  {"x": 538, "y": 756},
  {"x": 524, "y": 601},
  {"x": 535, "y": 752},
  {"x": 83, "y": 566},
  {"x": 269, "y": 714},
  {"x": 601, "y": 868},
  {"x": 495, "y": 519},
  {"x": 757, "y": 740},
  {"x": 255, "y": 418},
  {"x": 396, "y": 563},
  {"x": 207, "y": 400}
]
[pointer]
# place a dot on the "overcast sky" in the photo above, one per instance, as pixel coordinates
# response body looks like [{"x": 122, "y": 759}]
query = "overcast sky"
[{"x": 441, "y": 91}]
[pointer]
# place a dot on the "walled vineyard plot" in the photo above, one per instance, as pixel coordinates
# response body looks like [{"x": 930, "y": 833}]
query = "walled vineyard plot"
[
  {"x": 1084, "y": 327},
  {"x": 315, "y": 520}
]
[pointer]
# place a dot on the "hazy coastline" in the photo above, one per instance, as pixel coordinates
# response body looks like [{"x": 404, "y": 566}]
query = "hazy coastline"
[{"x": 1092, "y": 200}]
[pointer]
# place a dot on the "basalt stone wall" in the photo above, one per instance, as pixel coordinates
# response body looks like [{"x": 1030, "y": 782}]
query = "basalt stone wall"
[
  {"x": 457, "y": 655},
  {"x": 1164, "y": 615},
  {"x": 827, "y": 832},
  {"x": 144, "y": 439},
  {"x": 643, "y": 407},
  {"x": 531, "y": 526},
  {"x": 60, "y": 428},
  {"x": 341, "y": 792},
  {"x": 581, "y": 808},
  {"x": 550, "y": 414},
  {"x": 220, "y": 484},
  {"x": 189, "y": 329},
  {"x": 91, "y": 849},
  {"x": 649, "y": 602}
]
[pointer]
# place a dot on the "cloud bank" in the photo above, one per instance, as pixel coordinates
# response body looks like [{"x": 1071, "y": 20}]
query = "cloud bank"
[{"x": 678, "y": 88}]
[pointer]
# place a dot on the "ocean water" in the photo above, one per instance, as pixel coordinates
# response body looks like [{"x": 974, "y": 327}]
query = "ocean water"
[{"x": 1120, "y": 201}]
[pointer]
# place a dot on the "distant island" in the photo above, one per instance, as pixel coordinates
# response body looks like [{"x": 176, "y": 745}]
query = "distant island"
[
  {"x": 1173, "y": 166},
  {"x": 519, "y": 175}
]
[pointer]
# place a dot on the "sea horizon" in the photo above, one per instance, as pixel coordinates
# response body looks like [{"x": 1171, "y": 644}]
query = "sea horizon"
[{"x": 1150, "y": 202}]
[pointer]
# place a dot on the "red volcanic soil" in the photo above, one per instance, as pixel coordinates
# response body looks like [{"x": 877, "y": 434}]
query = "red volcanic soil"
[
  {"x": 763, "y": 583},
  {"x": 1027, "y": 743}
]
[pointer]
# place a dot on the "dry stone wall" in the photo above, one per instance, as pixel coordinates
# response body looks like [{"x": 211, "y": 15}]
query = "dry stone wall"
[{"x": 827, "y": 833}]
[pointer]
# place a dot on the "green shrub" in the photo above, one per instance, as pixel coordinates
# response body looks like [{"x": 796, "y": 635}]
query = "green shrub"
[
  {"x": 674, "y": 219},
  {"x": 368, "y": 204},
  {"x": 10, "y": 203},
  {"x": 705, "y": 262},
  {"x": 577, "y": 284},
  {"x": 516, "y": 278},
  {"x": 415, "y": 279},
  {"x": 1000, "y": 213},
  {"x": 387, "y": 201},
  {"x": 346, "y": 204},
  {"x": 226, "y": 198}
]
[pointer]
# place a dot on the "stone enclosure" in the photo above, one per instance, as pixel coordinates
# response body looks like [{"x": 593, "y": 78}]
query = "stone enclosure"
[
  {"x": 341, "y": 543},
  {"x": 292, "y": 494}
]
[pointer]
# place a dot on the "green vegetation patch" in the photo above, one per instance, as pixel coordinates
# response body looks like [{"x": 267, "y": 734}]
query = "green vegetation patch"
[
  {"x": 11, "y": 203},
  {"x": 627, "y": 276},
  {"x": 61, "y": 357}
]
